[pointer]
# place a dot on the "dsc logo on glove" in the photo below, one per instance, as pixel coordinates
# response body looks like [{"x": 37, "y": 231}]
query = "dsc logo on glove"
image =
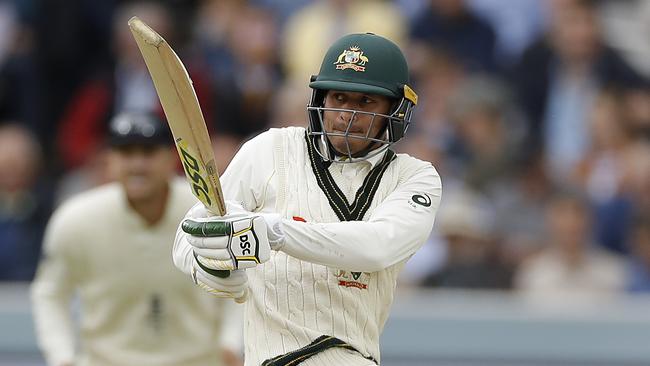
[{"x": 244, "y": 245}]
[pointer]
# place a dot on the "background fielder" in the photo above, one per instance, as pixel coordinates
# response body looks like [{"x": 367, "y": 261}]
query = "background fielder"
[
  {"x": 341, "y": 212},
  {"x": 95, "y": 246}
]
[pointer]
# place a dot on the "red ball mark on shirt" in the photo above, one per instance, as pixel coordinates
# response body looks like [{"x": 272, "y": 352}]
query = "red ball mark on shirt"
[{"x": 298, "y": 218}]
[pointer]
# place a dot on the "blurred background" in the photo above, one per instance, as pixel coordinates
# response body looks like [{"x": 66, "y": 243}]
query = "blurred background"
[{"x": 536, "y": 114}]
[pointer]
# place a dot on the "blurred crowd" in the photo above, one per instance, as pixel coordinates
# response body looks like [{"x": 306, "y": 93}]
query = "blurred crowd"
[{"x": 536, "y": 114}]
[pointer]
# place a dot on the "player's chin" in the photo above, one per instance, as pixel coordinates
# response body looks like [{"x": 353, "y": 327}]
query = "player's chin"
[
  {"x": 345, "y": 146},
  {"x": 138, "y": 188}
]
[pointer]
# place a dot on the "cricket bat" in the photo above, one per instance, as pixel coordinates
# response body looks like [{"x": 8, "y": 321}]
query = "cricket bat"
[{"x": 183, "y": 112}]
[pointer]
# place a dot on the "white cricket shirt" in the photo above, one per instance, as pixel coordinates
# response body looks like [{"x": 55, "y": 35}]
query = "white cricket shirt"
[
  {"x": 136, "y": 307},
  {"x": 330, "y": 277}
]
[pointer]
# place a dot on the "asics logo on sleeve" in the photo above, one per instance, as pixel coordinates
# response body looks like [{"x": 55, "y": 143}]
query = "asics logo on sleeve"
[{"x": 421, "y": 199}]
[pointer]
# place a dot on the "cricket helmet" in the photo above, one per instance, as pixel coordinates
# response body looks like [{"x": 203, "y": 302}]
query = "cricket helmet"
[
  {"x": 364, "y": 63},
  {"x": 138, "y": 128}
]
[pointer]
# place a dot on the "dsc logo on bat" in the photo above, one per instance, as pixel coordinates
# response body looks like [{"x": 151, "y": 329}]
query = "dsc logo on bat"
[{"x": 193, "y": 173}]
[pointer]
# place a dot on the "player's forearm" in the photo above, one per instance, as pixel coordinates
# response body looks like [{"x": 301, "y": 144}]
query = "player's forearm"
[{"x": 352, "y": 245}]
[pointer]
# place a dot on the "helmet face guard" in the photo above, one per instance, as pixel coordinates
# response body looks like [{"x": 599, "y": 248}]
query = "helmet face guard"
[
  {"x": 369, "y": 64},
  {"x": 396, "y": 124}
]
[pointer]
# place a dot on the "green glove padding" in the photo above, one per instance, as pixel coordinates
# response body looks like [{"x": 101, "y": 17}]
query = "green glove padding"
[
  {"x": 206, "y": 228},
  {"x": 214, "y": 272}
]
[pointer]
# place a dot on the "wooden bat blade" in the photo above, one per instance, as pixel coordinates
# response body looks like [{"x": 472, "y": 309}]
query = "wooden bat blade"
[{"x": 181, "y": 107}]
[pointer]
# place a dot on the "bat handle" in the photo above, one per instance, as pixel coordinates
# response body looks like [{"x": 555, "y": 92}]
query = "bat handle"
[{"x": 220, "y": 210}]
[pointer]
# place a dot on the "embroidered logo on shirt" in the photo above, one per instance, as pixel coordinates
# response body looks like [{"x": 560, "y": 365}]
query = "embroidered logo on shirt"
[{"x": 353, "y": 279}]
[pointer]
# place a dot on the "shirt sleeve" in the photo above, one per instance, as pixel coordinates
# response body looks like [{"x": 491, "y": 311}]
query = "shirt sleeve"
[
  {"x": 52, "y": 292},
  {"x": 395, "y": 230}
]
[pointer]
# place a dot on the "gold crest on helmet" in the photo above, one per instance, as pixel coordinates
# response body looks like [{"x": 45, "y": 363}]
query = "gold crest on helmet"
[{"x": 352, "y": 58}]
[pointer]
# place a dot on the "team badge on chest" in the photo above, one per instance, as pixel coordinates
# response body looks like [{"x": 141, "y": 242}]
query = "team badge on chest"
[{"x": 358, "y": 280}]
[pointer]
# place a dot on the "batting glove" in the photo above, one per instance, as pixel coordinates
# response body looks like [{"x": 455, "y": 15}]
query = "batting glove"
[
  {"x": 234, "y": 286},
  {"x": 238, "y": 240}
]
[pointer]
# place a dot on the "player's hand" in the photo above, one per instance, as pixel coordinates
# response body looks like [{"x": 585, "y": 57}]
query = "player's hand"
[
  {"x": 237, "y": 240},
  {"x": 234, "y": 286}
]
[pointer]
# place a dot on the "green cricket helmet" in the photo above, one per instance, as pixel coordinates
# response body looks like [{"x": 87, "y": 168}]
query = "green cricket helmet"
[{"x": 364, "y": 63}]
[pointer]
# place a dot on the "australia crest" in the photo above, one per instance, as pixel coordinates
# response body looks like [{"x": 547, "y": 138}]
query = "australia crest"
[{"x": 352, "y": 58}]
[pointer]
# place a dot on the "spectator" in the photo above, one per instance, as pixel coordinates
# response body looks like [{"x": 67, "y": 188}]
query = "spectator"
[
  {"x": 638, "y": 187},
  {"x": 437, "y": 75},
  {"x": 558, "y": 78},
  {"x": 626, "y": 25},
  {"x": 515, "y": 23},
  {"x": 450, "y": 26},
  {"x": 7, "y": 27},
  {"x": 637, "y": 111},
  {"x": 570, "y": 267},
  {"x": 639, "y": 264},
  {"x": 125, "y": 86},
  {"x": 239, "y": 43},
  {"x": 519, "y": 210},
  {"x": 488, "y": 133},
  {"x": 25, "y": 203},
  {"x": 225, "y": 147},
  {"x": 606, "y": 169},
  {"x": 69, "y": 41},
  {"x": 19, "y": 82},
  {"x": 309, "y": 31},
  {"x": 473, "y": 255},
  {"x": 288, "y": 104}
]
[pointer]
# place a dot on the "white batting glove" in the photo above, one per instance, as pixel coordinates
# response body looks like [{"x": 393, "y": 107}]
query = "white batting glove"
[
  {"x": 234, "y": 286},
  {"x": 237, "y": 240}
]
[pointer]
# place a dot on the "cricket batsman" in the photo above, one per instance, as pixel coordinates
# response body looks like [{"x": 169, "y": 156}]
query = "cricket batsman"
[{"x": 321, "y": 220}]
